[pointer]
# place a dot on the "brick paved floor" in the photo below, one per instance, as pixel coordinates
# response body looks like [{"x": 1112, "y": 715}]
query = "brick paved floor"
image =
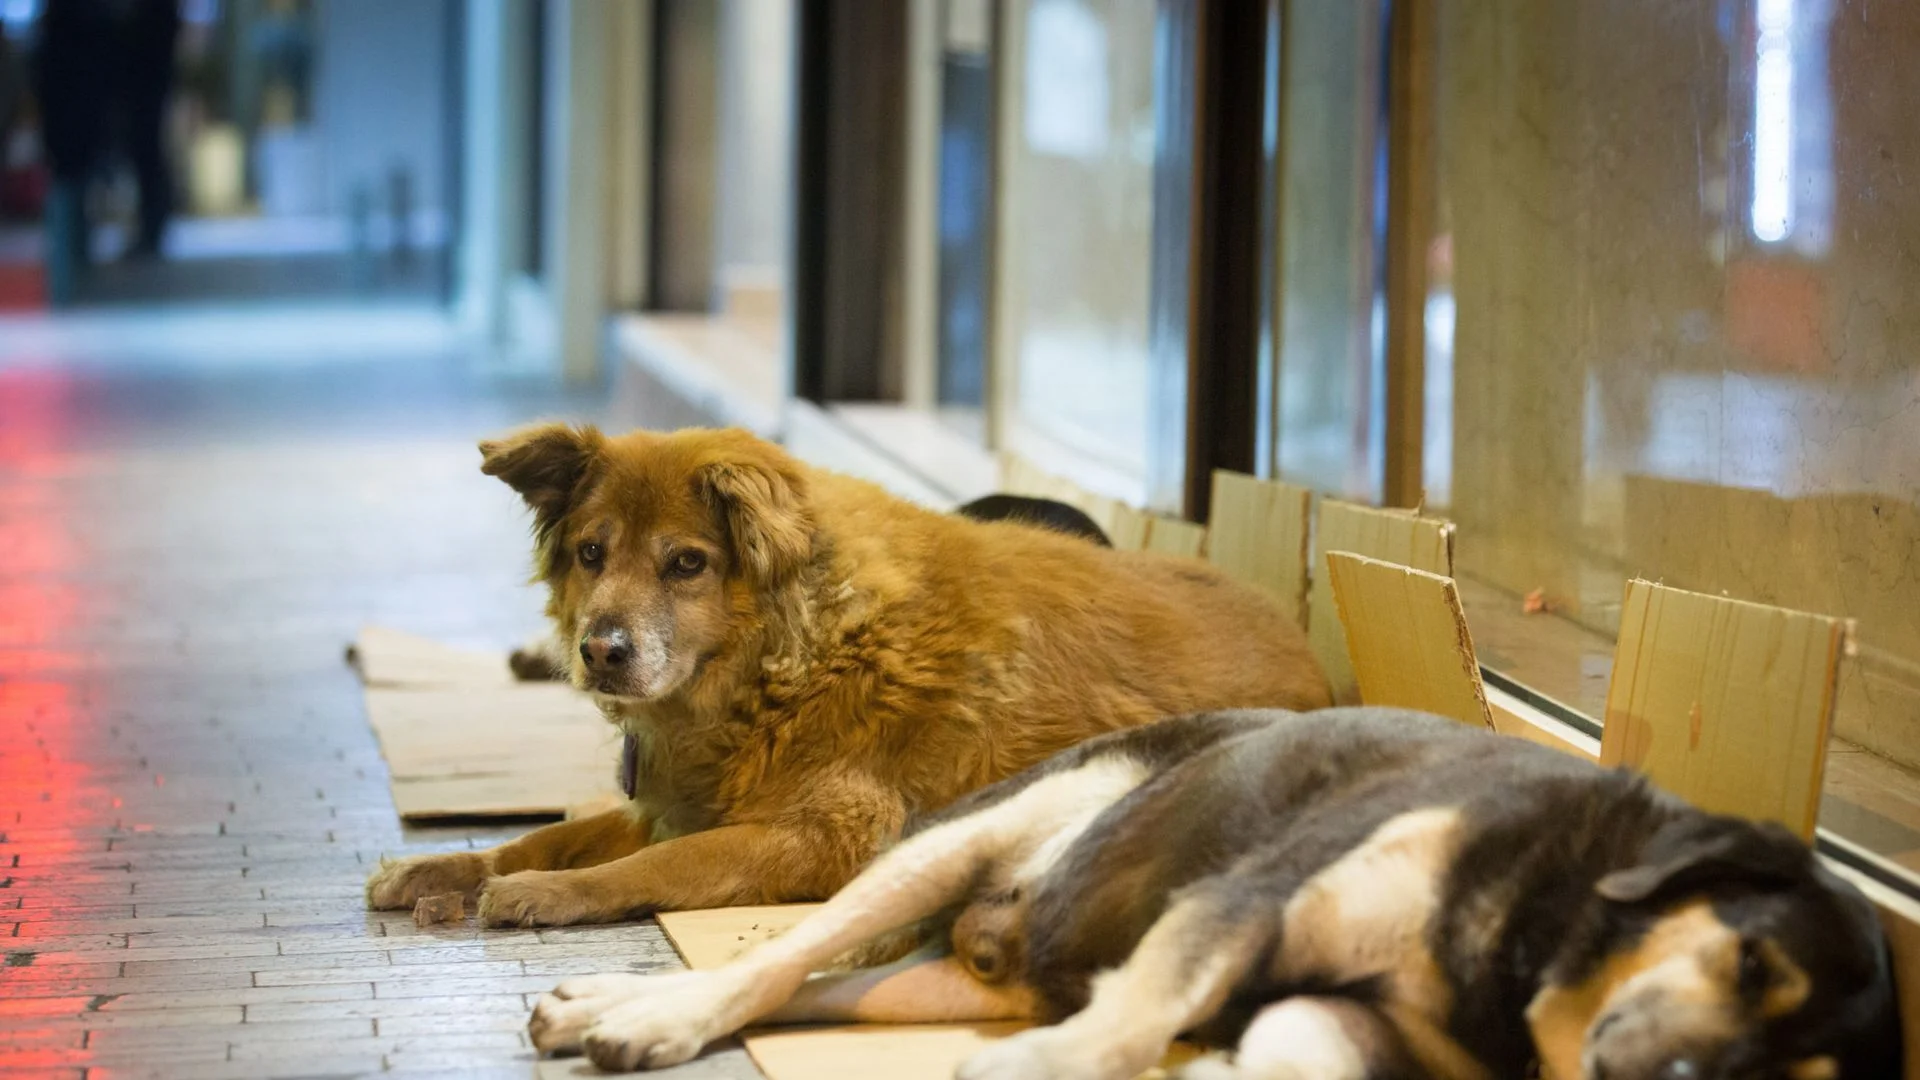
[{"x": 196, "y": 513}]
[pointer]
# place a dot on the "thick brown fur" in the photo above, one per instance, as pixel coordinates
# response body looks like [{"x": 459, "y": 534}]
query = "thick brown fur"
[{"x": 833, "y": 660}]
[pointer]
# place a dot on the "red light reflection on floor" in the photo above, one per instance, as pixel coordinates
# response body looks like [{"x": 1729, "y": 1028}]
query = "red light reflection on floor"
[{"x": 40, "y": 594}]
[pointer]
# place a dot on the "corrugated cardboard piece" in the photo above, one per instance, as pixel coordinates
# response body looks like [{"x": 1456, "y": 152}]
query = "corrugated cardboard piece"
[
  {"x": 1725, "y": 703},
  {"x": 1395, "y": 536},
  {"x": 1172, "y": 536},
  {"x": 1127, "y": 529},
  {"x": 393, "y": 658},
  {"x": 1257, "y": 533},
  {"x": 708, "y": 939},
  {"x": 1407, "y": 638},
  {"x": 462, "y": 739}
]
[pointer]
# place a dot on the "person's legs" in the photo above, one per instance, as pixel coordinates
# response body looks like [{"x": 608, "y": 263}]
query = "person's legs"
[
  {"x": 66, "y": 244},
  {"x": 146, "y": 149}
]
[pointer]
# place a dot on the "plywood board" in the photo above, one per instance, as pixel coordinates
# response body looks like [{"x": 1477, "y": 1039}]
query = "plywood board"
[
  {"x": 1407, "y": 638},
  {"x": 1172, "y": 536},
  {"x": 708, "y": 939},
  {"x": 1395, "y": 536},
  {"x": 1725, "y": 703},
  {"x": 462, "y": 739},
  {"x": 1257, "y": 533}
]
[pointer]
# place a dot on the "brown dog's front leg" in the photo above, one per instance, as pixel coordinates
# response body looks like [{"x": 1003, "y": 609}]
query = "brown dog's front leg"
[
  {"x": 590, "y": 841},
  {"x": 730, "y": 865}
]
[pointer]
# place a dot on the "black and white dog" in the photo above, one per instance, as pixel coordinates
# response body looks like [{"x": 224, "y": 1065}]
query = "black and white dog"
[{"x": 1353, "y": 894}]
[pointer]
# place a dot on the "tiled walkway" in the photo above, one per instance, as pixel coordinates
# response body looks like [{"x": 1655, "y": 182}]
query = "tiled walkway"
[{"x": 196, "y": 513}]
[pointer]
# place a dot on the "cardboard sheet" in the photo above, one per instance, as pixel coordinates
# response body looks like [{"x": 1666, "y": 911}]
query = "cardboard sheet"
[
  {"x": 1257, "y": 533},
  {"x": 708, "y": 939},
  {"x": 1407, "y": 638},
  {"x": 906, "y": 1051},
  {"x": 387, "y": 657},
  {"x": 1395, "y": 536},
  {"x": 1725, "y": 703},
  {"x": 900, "y": 1052},
  {"x": 462, "y": 739}
]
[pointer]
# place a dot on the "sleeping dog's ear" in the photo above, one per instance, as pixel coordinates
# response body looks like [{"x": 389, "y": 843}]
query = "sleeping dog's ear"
[
  {"x": 761, "y": 495},
  {"x": 547, "y": 464},
  {"x": 1697, "y": 849}
]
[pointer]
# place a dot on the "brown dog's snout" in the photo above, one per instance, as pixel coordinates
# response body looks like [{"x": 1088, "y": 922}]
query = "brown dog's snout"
[{"x": 606, "y": 647}]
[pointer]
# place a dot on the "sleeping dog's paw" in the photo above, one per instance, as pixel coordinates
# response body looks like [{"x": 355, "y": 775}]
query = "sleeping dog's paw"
[
  {"x": 562, "y": 1016},
  {"x": 627, "y": 1022},
  {"x": 398, "y": 883},
  {"x": 1057, "y": 1053},
  {"x": 540, "y": 898}
]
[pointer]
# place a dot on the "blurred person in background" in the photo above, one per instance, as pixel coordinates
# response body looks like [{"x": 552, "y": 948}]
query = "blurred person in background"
[
  {"x": 73, "y": 78},
  {"x": 103, "y": 67},
  {"x": 149, "y": 31},
  {"x": 13, "y": 87}
]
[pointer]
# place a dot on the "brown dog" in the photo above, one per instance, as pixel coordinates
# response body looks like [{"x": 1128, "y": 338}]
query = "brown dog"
[{"x": 804, "y": 661}]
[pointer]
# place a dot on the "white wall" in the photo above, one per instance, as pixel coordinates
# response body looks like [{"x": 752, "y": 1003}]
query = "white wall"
[
  {"x": 380, "y": 82},
  {"x": 756, "y": 123}
]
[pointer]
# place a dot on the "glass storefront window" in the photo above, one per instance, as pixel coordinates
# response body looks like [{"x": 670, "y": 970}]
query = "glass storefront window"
[
  {"x": 1077, "y": 190},
  {"x": 1329, "y": 397},
  {"x": 1671, "y": 334}
]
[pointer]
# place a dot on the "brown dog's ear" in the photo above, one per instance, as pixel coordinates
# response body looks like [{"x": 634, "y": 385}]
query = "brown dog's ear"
[
  {"x": 761, "y": 494},
  {"x": 1700, "y": 850},
  {"x": 547, "y": 464}
]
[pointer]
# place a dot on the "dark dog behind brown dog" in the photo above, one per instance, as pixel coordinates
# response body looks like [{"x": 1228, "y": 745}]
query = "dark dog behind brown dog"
[
  {"x": 1041, "y": 513},
  {"x": 1354, "y": 894}
]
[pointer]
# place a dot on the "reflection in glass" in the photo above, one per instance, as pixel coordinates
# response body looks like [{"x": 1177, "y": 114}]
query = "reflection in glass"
[
  {"x": 1078, "y": 198},
  {"x": 1671, "y": 334},
  {"x": 1330, "y": 390}
]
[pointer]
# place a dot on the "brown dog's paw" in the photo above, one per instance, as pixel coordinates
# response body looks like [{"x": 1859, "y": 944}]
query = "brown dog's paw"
[
  {"x": 539, "y": 898},
  {"x": 400, "y": 883},
  {"x": 534, "y": 665}
]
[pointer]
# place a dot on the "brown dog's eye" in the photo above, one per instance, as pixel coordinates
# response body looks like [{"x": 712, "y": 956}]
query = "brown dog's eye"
[
  {"x": 1755, "y": 976},
  {"x": 688, "y": 563},
  {"x": 591, "y": 554}
]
